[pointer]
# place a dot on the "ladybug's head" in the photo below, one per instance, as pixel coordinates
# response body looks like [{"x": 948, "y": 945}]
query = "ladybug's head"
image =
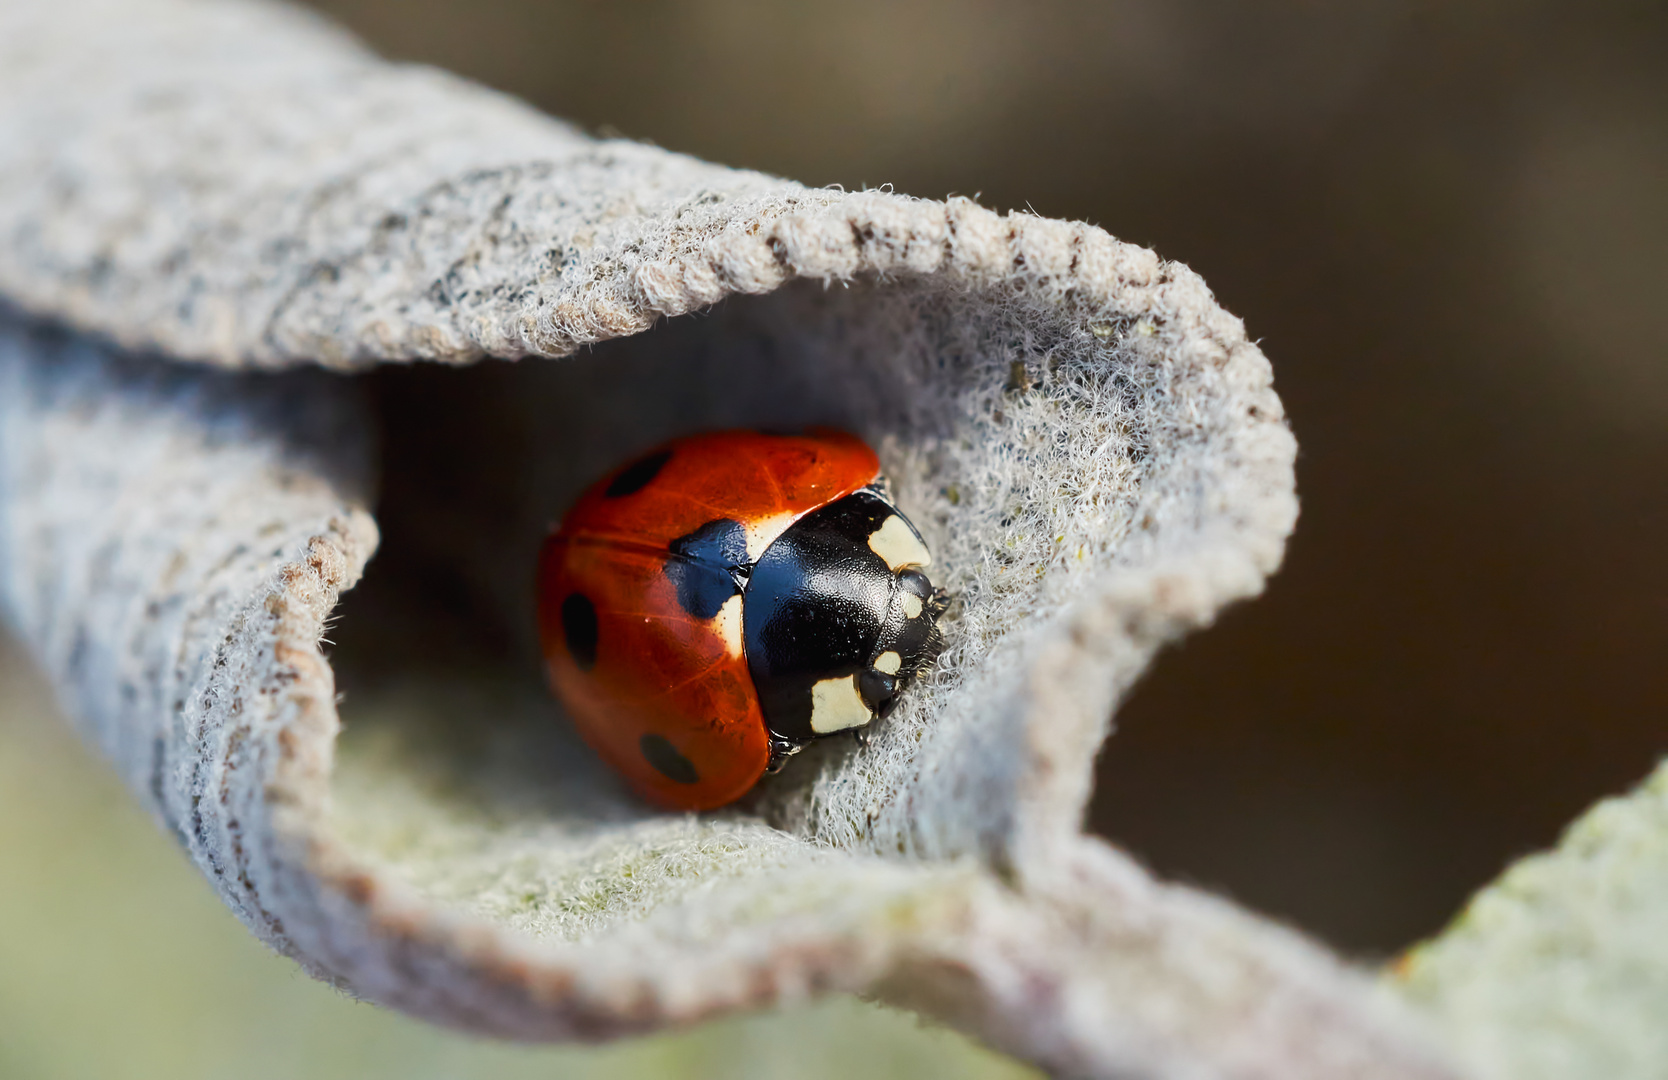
[{"x": 838, "y": 617}]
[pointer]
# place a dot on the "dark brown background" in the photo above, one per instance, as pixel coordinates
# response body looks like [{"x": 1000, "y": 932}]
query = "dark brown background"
[{"x": 1447, "y": 224}]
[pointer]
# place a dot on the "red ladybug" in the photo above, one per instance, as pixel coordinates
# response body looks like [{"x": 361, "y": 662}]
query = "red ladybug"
[{"x": 713, "y": 606}]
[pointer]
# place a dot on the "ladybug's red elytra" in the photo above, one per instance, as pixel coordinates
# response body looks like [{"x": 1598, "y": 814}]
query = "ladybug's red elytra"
[{"x": 711, "y": 607}]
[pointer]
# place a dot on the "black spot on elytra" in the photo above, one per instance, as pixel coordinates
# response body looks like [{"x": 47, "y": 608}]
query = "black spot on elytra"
[
  {"x": 579, "y": 627},
  {"x": 636, "y": 476},
  {"x": 659, "y": 752},
  {"x": 708, "y": 565}
]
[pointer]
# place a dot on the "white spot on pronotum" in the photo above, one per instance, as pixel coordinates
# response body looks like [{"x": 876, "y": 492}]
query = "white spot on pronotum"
[
  {"x": 728, "y": 624},
  {"x": 763, "y": 533},
  {"x": 836, "y": 705},
  {"x": 889, "y": 662},
  {"x": 896, "y": 542},
  {"x": 912, "y": 605}
]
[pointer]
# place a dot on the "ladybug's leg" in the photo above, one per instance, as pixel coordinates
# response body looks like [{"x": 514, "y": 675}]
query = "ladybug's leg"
[
  {"x": 780, "y": 751},
  {"x": 862, "y": 736}
]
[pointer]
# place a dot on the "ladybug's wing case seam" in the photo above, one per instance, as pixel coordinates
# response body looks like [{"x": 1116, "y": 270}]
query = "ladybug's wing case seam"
[{"x": 700, "y": 482}]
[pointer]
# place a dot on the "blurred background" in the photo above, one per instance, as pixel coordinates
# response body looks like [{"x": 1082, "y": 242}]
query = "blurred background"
[{"x": 1447, "y": 224}]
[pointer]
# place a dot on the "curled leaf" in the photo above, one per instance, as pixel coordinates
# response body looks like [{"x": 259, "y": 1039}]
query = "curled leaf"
[{"x": 1091, "y": 446}]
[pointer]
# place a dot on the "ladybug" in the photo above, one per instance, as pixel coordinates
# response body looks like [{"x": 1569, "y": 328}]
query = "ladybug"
[{"x": 711, "y": 607}]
